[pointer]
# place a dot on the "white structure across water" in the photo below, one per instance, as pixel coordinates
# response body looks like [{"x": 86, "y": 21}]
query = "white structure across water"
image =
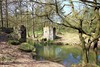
[{"x": 49, "y": 33}]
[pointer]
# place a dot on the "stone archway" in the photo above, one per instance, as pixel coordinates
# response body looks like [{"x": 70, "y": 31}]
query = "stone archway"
[{"x": 23, "y": 33}]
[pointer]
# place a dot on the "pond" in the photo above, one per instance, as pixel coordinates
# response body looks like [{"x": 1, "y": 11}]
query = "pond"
[{"x": 66, "y": 55}]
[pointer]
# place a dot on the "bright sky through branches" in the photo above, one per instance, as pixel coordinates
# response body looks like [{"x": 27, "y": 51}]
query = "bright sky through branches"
[{"x": 77, "y": 6}]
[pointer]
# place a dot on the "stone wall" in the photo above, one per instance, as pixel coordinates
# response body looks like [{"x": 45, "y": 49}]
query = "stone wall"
[{"x": 49, "y": 33}]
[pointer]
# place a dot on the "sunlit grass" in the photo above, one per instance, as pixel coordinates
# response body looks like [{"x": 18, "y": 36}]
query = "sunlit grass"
[{"x": 71, "y": 38}]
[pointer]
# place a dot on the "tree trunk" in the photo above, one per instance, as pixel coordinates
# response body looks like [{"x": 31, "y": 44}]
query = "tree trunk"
[
  {"x": 1, "y": 13},
  {"x": 33, "y": 12},
  {"x": 7, "y": 13},
  {"x": 85, "y": 49},
  {"x": 85, "y": 55},
  {"x": 96, "y": 53}
]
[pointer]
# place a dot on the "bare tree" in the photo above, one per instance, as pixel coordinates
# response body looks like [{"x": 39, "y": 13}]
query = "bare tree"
[
  {"x": 1, "y": 13},
  {"x": 6, "y": 12},
  {"x": 79, "y": 19}
]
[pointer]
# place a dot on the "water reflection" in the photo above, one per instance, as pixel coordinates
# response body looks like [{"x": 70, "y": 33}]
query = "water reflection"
[
  {"x": 57, "y": 54},
  {"x": 65, "y": 56},
  {"x": 99, "y": 57},
  {"x": 68, "y": 61}
]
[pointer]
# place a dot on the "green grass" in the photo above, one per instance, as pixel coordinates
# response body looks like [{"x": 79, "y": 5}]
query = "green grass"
[{"x": 36, "y": 32}]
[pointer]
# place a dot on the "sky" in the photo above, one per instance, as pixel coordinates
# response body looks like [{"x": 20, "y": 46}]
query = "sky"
[
  {"x": 77, "y": 6},
  {"x": 66, "y": 9}
]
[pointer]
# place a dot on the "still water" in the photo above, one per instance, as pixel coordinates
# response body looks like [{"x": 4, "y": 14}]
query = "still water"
[{"x": 65, "y": 55}]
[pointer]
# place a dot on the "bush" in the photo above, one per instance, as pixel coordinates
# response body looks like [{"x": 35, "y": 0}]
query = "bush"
[
  {"x": 30, "y": 41},
  {"x": 14, "y": 42},
  {"x": 13, "y": 36},
  {"x": 7, "y": 30},
  {"x": 26, "y": 47}
]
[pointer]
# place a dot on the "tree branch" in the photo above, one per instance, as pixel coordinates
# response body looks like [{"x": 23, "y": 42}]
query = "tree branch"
[
  {"x": 89, "y": 2},
  {"x": 44, "y": 3},
  {"x": 95, "y": 39}
]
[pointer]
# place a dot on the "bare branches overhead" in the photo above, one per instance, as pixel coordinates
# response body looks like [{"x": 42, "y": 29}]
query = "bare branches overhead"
[{"x": 43, "y": 3}]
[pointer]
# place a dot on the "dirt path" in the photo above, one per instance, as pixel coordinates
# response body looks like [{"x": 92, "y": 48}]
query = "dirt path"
[{"x": 10, "y": 56}]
